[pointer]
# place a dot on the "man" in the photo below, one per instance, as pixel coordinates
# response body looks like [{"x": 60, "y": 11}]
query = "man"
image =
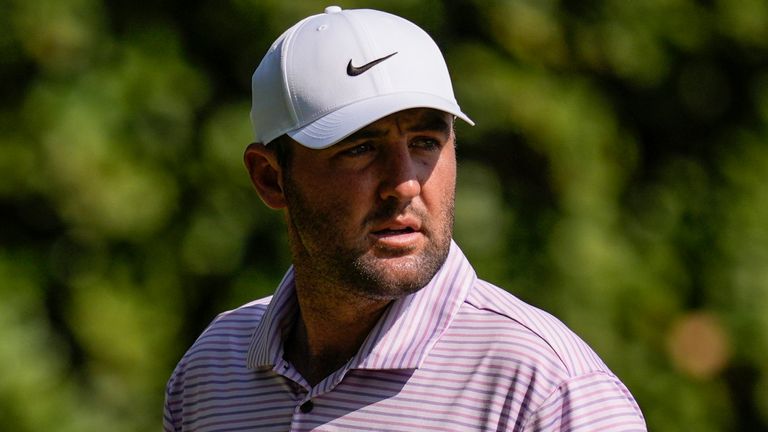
[{"x": 381, "y": 323}]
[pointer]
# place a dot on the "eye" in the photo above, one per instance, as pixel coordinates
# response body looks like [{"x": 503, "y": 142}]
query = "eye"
[
  {"x": 358, "y": 150},
  {"x": 426, "y": 143}
]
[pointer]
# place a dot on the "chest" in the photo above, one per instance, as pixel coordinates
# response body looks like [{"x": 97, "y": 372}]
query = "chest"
[{"x": 441, "y": 395}]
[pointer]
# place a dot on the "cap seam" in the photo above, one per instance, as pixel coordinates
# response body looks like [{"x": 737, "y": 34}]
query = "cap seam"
[
  {"x": 372, "y": 51},
  {"x": 284, "y": 65}
]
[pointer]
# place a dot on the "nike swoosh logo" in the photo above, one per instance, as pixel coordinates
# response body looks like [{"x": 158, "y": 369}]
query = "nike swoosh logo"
[{"x": 355, "y": 71}]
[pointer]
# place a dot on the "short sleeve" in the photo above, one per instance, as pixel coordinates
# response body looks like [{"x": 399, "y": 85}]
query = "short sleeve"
[
  {"x": 594, "y": 401},
  {"x": 171, "y": 404}
]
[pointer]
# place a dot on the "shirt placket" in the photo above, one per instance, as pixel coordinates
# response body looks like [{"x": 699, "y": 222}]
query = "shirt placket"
[{"x": 304, "y": 396}]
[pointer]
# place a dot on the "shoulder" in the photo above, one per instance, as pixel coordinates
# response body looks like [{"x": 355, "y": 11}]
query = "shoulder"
[
  {"x": 214, "y": 363},
  {"x": 572, "y": 384},
  {"x": 235, "y": 323},
  {"x": 224, "y": 342},
  {"x": 548, "y": 340}
]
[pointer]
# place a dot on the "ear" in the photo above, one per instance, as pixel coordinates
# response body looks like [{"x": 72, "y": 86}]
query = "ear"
[{"x": 265, "y": 174}]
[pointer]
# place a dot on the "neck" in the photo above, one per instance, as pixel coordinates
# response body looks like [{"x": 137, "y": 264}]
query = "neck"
[{"x": 330, "y": 328}]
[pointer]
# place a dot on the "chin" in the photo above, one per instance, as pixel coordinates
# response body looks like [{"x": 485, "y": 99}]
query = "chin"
[{"x": 394, "y": 277}]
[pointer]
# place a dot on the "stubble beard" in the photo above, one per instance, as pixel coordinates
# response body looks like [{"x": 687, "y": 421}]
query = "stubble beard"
[{"x": 317, "y": 247}]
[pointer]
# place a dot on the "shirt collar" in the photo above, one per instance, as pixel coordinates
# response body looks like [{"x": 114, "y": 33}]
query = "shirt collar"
[
  {"x": 404, "y": 334},
  {"x": 266, "y": 346}
]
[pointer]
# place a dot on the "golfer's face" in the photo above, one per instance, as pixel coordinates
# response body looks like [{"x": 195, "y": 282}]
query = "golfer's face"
[{"x": 377, "y": 208}]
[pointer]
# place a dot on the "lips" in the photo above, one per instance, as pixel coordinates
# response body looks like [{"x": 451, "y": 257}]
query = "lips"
[
  {"x": 398, "y": 225},
  {"x": 401, "y": 232}
]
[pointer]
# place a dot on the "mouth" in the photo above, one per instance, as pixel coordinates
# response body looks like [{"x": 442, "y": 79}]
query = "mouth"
[
  {"x": 389, "y": 232},
  {"x": 400, "y": 234}
]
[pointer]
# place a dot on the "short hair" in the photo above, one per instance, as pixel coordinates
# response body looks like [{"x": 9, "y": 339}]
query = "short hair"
[{"x": 282, "y": 148}]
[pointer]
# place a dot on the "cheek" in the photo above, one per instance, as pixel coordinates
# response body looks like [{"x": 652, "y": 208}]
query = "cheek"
[
  {"x": 345, "y": 199},
  {"x": 438, "y": 198},
  {"x": 442, "y": 181}
]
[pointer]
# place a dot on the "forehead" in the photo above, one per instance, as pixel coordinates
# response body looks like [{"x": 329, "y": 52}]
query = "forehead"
[{"x": 410, "y": 120}]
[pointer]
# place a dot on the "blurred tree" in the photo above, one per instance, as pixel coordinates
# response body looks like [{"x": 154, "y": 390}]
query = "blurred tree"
[{"x": 617, "y": 177}]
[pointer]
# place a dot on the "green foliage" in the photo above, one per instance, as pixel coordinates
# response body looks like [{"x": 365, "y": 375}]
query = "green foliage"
[{"x": 617, "y": 177}]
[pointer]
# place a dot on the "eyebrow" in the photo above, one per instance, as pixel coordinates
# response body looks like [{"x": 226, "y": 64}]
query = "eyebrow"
[
  {"x": 366, "y": 133},
  {"x": 428, "y": 122},
  {"x": 431, "y": 122}
]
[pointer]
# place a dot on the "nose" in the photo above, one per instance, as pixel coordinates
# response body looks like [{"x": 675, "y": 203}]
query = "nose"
[{"x": 399, "y": 175}]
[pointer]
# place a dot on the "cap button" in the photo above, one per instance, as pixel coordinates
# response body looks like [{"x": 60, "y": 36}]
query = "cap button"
[{"x": 332, "y": 9}]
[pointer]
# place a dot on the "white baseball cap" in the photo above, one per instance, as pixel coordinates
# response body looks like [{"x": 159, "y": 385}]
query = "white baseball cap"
[{"x": 334, "y": 73}]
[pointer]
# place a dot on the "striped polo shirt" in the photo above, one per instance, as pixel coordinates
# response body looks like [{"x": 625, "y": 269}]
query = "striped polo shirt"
[{"x": 458, "y": 355}]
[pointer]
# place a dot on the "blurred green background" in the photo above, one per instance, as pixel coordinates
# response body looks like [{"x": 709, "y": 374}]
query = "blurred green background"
[{"x": 617, "y": 177}]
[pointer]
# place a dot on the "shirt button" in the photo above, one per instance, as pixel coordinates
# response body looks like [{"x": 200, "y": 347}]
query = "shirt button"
[{"x": 307, "y": 406}]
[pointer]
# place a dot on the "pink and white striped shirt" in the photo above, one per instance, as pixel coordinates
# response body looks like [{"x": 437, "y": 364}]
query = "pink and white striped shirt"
[{"x": 458, "y": 355}]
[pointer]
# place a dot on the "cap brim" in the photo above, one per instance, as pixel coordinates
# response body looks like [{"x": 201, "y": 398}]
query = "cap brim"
[{"x": 334, "y": 127}]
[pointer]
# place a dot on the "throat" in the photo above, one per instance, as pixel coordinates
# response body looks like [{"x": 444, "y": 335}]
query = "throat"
[
  {"x": 318, "y": 346},
  {"x": 316, "y": 368},
  {"x": 315, "y": 363}
]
